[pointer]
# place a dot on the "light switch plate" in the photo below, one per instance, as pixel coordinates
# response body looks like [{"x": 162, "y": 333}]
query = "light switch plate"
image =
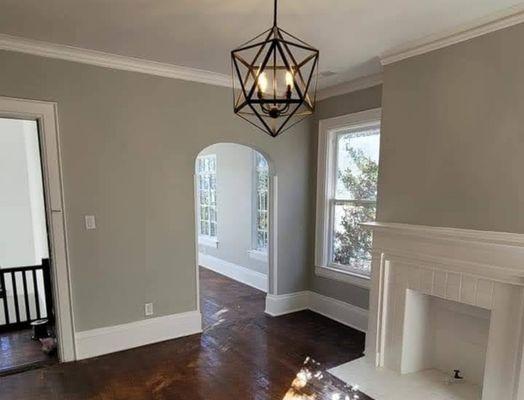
[
  {"x": 90, "y": 222},
  {"x": 148, "y": 307}
]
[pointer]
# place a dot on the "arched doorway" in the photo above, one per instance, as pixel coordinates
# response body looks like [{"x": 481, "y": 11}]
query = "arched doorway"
[{"x": 235, "y": 224}]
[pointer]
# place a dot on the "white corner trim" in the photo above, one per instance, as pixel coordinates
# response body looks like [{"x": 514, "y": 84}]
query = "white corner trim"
[
  {"x": 345, "y": 313},
  {"x": 114, "y": 61},
  {"x": 342, "y": 276},
  {"x": 238, "y": 273},
  {"x": 111, "y": 339},
  {"x": 479, "y": 27},
  {"x": 351, "y": 86},
  {"x": 208, "y": 241},
  {"x": 258, "y": 255},
  {"x": 282, "y": 304}
]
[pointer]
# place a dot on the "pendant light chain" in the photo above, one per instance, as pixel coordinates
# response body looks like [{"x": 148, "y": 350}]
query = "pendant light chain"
[{"x": 275, "y": 14}]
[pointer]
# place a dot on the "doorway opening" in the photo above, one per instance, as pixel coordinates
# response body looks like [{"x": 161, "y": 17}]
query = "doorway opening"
[
  {"x": 27, "y": 316},
  {"x": 234, "y": 201}
]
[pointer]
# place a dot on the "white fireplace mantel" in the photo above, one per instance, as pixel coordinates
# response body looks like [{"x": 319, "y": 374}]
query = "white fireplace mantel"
[{"x": 475, "y": 268}]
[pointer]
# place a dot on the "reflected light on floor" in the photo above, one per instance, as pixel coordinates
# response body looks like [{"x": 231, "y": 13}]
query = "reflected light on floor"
[{"x": 311, "y": 383}]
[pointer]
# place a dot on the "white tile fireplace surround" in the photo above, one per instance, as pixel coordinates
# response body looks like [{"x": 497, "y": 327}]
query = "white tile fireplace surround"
[{"x": 443, "y": 299}]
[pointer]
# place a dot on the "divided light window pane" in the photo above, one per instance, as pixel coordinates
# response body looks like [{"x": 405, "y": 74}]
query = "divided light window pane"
[
  {"x": 262, "y": 202},
  {"x": 206, "y": 169},
  {"x": 354, "y": 201}
]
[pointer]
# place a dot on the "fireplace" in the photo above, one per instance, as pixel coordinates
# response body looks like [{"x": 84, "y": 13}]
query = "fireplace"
[{"x": 441, "y": 300}]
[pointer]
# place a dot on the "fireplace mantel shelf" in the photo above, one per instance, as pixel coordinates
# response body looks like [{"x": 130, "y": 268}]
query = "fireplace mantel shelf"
[{"x": 470, "y": 235}]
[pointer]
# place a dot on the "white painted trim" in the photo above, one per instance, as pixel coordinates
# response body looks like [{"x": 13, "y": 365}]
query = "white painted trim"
[
  {"x": 46, "y": 115},
  {"x": 273, "y": 234},
  {"x": 342, "y": 276},
  {"x": 239, "y": 273},
  {"x": 258, "y": 255},
  {"x": 433, "y": 232},
  {"x": 326, "y": 152},
  {"x": 114, "y": 61},
  {"x": 479, "y": 27},
  {"x": 345, "y": 313},
  {"x": 354, "y": 85},
  {"x": 207, "y": 241},
  {"x": 111, "y": 339},
  {"x": 282, "y": 304}
]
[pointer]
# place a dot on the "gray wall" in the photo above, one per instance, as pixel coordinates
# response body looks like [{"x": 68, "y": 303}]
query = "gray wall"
[
  {"x": 234, "y": 206},
  {"x": 129, "y": 143},
  {"x": 333, "y": 107},
  {"x": 452, "y": 149}
]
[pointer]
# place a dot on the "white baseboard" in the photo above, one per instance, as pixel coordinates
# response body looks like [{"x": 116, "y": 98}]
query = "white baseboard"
[
  {"x": 286, "y": 303},
  {"x": 340, "y": 311},
  {"x": 111, "y": 339},
  {"x": 345, "y": 313},
  {"x": 234, "y": 271}
]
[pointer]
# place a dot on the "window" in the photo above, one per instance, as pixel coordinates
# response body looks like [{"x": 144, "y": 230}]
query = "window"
[
  {"x": 207, "y": 210},
  {"x": 347, "y": 197},
  {"x": 261, "y": 203}
]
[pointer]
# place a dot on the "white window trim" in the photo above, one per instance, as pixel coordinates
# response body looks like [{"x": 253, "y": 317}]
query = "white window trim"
[
  {"x": 258, "y": 255},
  {"x": 328, "y": 129},
  {"x": 206, "y": 240}
]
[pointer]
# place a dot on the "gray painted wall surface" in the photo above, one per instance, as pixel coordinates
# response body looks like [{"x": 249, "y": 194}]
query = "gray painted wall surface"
[
  {"x": 129, "y": 143},
  {"x": 234, "y": 206},
  {"x": 333, "y": 107},
  {"x": 452, "y": 149}
]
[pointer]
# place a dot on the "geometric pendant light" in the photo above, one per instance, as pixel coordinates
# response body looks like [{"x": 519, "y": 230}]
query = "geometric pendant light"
[{"x": 274, "y": 79}]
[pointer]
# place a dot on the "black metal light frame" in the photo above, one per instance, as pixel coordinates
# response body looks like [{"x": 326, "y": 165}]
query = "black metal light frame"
[{"x": 274, "y": 52}]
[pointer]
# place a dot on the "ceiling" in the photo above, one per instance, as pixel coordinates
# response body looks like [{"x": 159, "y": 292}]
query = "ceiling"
[{"x": 350, "y": 34}]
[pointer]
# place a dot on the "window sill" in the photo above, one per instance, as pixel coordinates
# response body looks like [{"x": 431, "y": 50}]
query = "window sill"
[
  {"x": 257, "y": 255},
  {"x": 208, "y": 241},
  {"x": 343, "y": 276}
]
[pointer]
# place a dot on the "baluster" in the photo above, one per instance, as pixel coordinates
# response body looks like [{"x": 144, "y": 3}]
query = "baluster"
[
  {"x": 15, "y": 294},
  {"x": 4, "y": 293},
  {"x": 26, "y": 297},
  {"x": 48, "y": 290},
  {"x": 37, "y": 298}
]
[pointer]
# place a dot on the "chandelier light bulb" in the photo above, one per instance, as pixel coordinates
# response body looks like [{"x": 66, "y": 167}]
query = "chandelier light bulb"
[
  {"x": 262, "y": 82},
  {"x": 289, "y": 79}
]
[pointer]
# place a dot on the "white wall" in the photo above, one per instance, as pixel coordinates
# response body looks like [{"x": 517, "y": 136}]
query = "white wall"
[
  {"x": 23, "y": 235},
  {"x": 234, "y": 206}
]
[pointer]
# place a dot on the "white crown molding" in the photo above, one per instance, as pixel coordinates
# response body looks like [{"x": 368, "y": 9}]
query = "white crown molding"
[
  {"x": 479, "y": 27},
  {"x": 114, "y": 61},
  {"x": 351, "y": 86}
]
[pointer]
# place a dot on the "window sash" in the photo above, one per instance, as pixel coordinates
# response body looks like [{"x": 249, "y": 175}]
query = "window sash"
[
  {"x": 261, "y": 203},
  {"x": 333, "y": 201},
  {"x": 207, "y": 210}
]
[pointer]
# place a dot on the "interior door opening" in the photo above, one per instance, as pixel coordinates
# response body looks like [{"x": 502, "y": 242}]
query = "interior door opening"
[{"x": 27, "y": 314}]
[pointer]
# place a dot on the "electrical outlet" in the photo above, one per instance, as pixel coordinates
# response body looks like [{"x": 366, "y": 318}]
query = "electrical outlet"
[
  {"x": 90, "y": 222},
  {"x": 149, "y": 309}
]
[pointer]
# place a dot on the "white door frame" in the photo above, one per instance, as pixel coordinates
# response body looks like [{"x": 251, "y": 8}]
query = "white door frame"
[{"x": 45, "y": 113}]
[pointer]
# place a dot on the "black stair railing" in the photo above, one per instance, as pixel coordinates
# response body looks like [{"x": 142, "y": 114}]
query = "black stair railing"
[{"x": 26, "y": 295}]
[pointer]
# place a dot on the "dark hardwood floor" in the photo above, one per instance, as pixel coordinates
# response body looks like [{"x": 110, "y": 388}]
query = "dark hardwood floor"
[
  {"x": 18, "y": 352},
  {"x": 242, "y": 354}
]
